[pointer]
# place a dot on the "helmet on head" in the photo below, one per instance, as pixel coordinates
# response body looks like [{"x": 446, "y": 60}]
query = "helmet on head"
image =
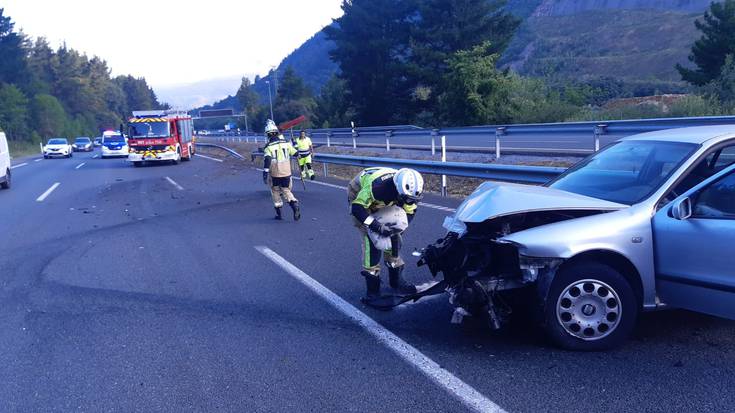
[
  {"x": 271, "y": 128},
  {"x": 410, "y": 185}
]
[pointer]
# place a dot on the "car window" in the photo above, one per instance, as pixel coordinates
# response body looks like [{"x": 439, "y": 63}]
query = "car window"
[
  {"x": 710, "y": 165},
  {"x": 717, "y": 200},
  {"x": 725, "y": 158},
  {"x": 626, "y": 172}
]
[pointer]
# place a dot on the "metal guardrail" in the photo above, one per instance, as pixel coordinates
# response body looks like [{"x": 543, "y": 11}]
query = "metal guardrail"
[
  {"x": 508, "y": 173},
  {"x": 495, "y": 138},
  {"x": 224, "y": 148}
]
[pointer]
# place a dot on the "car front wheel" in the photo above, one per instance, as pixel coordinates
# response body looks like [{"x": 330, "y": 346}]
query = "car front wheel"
[{"x": 590, "y": 307}]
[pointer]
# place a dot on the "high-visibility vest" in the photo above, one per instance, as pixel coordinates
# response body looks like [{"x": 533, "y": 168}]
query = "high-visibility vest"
[
  {"x": 303, "y": 146},
  {"x": 280, "y": 152}
]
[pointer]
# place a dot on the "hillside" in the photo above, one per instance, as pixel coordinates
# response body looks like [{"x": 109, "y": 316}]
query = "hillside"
[
  {"x": 613, "y": 43},
  {"x": 636, "y": 41}
]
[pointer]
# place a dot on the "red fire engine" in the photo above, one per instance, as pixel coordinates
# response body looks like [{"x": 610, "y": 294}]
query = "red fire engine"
[{"x": 160, "y": 135}]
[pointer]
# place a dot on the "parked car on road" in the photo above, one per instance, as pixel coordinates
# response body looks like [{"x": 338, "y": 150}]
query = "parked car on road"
[
  {"x": 4, "y": 162},
  {"x": 57, "y": 147},
  {"x": 114, "y": 145},
  {"x": 82, "y": 144},
  {"x": 647, "y": 223},
  {"x": 98, "y": 141}
]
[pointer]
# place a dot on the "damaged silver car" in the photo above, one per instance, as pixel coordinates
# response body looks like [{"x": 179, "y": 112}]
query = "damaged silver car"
[{"x": 645, "y": 224}]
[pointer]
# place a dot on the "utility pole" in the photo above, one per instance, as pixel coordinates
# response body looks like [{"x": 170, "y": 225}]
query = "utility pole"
[
  {"x": 274, "y": 70},
  {"x": 270, "y": 98}
]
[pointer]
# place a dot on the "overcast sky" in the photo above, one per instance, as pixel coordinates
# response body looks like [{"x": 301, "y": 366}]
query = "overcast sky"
[{"x": 150, "y": 38}]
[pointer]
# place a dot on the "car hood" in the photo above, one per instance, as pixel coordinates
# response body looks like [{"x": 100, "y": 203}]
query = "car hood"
[
  {"x": 57, "y": 146},
  {"x": 492, "y": 200}
]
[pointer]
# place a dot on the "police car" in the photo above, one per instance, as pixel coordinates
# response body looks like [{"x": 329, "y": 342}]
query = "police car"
[{"x": 114, "y": 144}]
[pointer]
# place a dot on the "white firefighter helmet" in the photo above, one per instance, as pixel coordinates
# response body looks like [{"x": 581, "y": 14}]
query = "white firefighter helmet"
[
  {"x": 270, "y": 127},
  {"x": 410, "y": 185}
]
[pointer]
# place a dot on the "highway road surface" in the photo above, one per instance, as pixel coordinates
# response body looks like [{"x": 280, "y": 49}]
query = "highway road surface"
[{"x": 170, "y": 289}]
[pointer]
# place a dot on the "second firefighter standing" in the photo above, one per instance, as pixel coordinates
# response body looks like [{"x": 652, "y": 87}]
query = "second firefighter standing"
[
  {"x": 277, "y": 170},
  {"x": 305, "y": 151}
]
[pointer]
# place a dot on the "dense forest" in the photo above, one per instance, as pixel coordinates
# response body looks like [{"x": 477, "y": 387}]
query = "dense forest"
[
  {"x": 437, "y": 63},
  {"x": 47, "y": 92}
]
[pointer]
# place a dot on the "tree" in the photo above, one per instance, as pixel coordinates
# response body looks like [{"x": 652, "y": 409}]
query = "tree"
[
  {"x": 294, "y": 98},
  {"x": 476, "y": 91},
  {"x": 372, "y": 47},
  {"x": 717, "y": 41},
  {"x": 249, "y": 100},
  {"x": 722, "y": 88},
  {"x": 333, "y": 106},
  {"x": 13, "y": 112},
  {"x": 47, "y": 115},
  {"x": 448, "y": 26},
  {"x": 13, "y": 49}
]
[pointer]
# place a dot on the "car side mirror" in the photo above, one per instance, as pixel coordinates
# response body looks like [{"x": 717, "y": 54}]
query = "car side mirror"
[{"x": 682, "y": 209}]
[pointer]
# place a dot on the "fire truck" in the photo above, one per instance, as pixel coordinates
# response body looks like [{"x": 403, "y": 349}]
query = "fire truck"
[{"x": 160, "y": 135}]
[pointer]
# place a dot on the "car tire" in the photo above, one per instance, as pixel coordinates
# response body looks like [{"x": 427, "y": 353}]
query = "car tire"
[
  {"x": 6, "y": 184},
  {"x": 590, "y": 307}
]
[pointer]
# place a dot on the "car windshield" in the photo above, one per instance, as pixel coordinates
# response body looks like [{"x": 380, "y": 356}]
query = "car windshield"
[
  {"x": 626, "y": 172},
  {"x": 114, "y": 139},
  {"x": 149, "y": 130},
  {"x": 81, "y": 140},
  {"x": 57, "y": 142}
]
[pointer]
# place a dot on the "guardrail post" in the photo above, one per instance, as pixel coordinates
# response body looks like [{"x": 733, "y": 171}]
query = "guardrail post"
[
  {"x": 354, "y": 138},
  {"x": 444, "y": 159},
  {"x": 388, "y": 134},
  {"x": 326, "y": 169},
  {"x": 41, "y": 145},
  {"x": 600, "y": 129},
  {"x": 498, "y": 133},
  {"x": 434, "y": 133},
  {"x": 329, "y": 138}
]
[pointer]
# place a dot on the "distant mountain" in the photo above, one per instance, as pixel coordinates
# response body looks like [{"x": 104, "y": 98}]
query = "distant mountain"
[
  {"x": 192, "y": 95},
  {"x": 571, "y": 7}
]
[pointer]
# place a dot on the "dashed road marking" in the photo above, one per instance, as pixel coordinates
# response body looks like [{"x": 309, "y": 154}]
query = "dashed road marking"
[
  {"x": 462, "y": 391},
  {"x": 80, "y": 165},
  {"x": 19, "y": 165},
  {"x": 207, "y": 157},
  {"x": 179, "y": 187},
  {"x": 94, "y": 157},
  {"x": 48, "y": 192},
  {"x": 38, "y": 160}
]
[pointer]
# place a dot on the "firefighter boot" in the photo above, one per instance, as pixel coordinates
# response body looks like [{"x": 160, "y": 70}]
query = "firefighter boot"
[
  {"x": 372, "y": 282},
  {"x": 278, "y": 214},
  {"x": 398, "y": 283},
  {"x": 296, "y": 210}
]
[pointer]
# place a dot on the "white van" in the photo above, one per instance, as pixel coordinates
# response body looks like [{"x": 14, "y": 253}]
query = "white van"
[{"x": 4, "y": 162}]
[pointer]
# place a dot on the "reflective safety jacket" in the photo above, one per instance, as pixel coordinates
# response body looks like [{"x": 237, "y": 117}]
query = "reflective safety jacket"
[
  {"x": 303, "y": 146},
  {"x": 277, "y": 157},
  {"x": 372, "y": 190}
]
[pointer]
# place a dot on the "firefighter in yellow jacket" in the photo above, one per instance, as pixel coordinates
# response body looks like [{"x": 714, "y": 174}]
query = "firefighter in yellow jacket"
[
  {"x": 277, "y": 170},
  {"x": 305, "y": 150}
]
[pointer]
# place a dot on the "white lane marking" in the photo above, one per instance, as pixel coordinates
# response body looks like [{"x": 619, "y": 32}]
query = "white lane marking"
[
  {"x": 94, "y": 157},
  {"x": 423, "y": 204},
  {"x": 179, "y": 187},
  {"x": 462, "y": 391},
  {"x": 19, "y": 165},
  {"x": 38, "y": 160},
  {"x": 80, "y": 165},
  {"x": 207, "y": 157},
  {"x": 48, "y": 192}
]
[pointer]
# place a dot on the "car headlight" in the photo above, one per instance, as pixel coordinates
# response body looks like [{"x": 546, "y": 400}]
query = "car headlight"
[{"x": 531, "y": 266}]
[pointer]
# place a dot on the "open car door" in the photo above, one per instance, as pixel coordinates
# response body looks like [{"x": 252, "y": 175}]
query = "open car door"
[{"x": 694, "y": 239}]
